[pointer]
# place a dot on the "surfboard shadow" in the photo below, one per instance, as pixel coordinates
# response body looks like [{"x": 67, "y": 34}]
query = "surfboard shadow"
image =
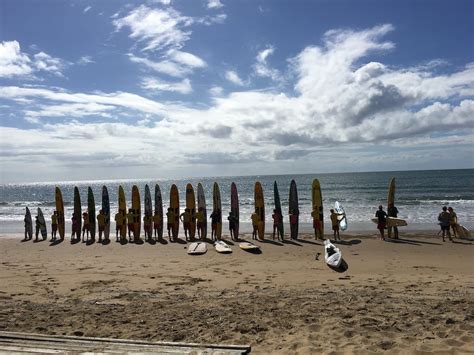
[
  {"x": 270, "y": 241},
  {"x": 308, "y": 242},
  {"x": 56, "y": 242},
  {"x": 401, "y": 240},
  {"x": 75, "y": 241},
  {"x": 253, "y": 251},
  {"x": 342, "y": 268},
  {"x": 292, "y": 242},
  {"x": 25, "y": 240},
  {"x": 347, "y": 242},
  {"x": 179, "y": 241},
  {"x": 458, "y": 242}
]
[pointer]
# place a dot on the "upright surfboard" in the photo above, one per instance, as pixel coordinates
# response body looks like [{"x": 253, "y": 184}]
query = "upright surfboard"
[
  {"x": 78, "y": 211},
  {"x": 234, "y": 208},
  {"x": 174, "y": 205},
  {"x": 148, "y": 207},
  {"x": 122, "y": 209},
  {"x": 390, "y": 200},
  {"x": 276, "y": 195},
  {"x": 60, "y": 211},
  {"x": 29, "y": 223},
  {"x": 191, "y": 205},
  {"x": 159, "y": 208},
  {"x": 91, "y": 211},
  {"x": 201, "y": 197},
  {"x": 293, "y": 208},
  {"x": 106, "y": 210},
  {"x": 43, "y": 229},
  {"x": 217, "y": 206},
  {"x": 317, "y": 202},
  {"x": 260, "y": 209},
  {"x": 137, "y": 213}
]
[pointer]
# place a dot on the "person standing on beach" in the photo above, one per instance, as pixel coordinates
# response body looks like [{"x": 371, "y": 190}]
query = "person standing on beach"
[
  {"x": 26, "y": 228},
  {"x": 101, "y": 224},
  {"x": 85, "y": 225},
  {"x": 381, "y": 215},
  {"x": 453, "y": 220},
  {"x": 157, "y": 223},
  {"x": 171, "y": 221},
  {"x": 335, "y": 224},
  {"x": 54, "y": 225},
  {"x": 316, "y": 224},
  {"x": 147, "y": 220},
  {"x": 392, "y": 211},
  {"x": 255, "y": 221},
  {"x": 276, "y": 223},
  {"x": 200, "y": 222},
  {"x": 118, "y": 225},
  {"x": 215, "y": 217},
  {"x": 74, "y": 225},
  {"x": 444, "y": 219},
  {"x": 232, "y": 223},
  {"x": 185, "y": 217},
  {"x": 130, "y": 218},
  {"x": 37, "y": 228}
]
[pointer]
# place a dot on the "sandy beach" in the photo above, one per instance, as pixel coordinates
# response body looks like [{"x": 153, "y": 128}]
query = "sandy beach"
[{"x": 414, "y": 295}]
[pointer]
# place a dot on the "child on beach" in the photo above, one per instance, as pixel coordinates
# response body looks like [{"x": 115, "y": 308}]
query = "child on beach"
[
  {"x": 255, "y": 221},
  {"x": 382, "y": 221},
  {"x": 157, "y": 223},
  {"x": 335, "y": 224},
  {"x": 392, "y": 211},
  {"x": 453, "y": 220},
  {"x": 54, "y": 225},
  {"x": 444, "y": 221},
  {"x": 85, "y": 225},
  {"x": 101, "y": 224},
  {"x": 276, "y": 223},
  {"x": 185, "y": 217},
  {"x": 170, "y": 221},
  {"x": 130, "y": 217},
  {"x": 200, "y": 218}
]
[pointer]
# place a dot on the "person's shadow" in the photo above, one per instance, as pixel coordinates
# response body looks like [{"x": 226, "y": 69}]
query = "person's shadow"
[{"x": 269, "y": 241}]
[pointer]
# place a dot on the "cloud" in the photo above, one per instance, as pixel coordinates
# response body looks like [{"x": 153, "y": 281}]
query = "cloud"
[
  {"x": 216, "y": 91},
  {"x": 214, "y": 4},
  {"x": 234, "y": 78},
  {"x": 182, "y": 87},
  {"x": 84, "y": 60},
  {"x": 45, "y": 62},
  {"x": 87, "y": 9},
  {"x": 261, "y": 67},
  {"x": 186, "y": 59}
]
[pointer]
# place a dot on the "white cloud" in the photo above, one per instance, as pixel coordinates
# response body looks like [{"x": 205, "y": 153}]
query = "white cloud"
[
  {"x": 216, "y": 91},
  {"x": 84, "y": 60},
  {"x": 45, "y": 62},
  {"x": 187, "y": 59},
  {"x": 234, "y": 78},
  {"x": 87, "y": 9},
  {"x": 214, "y": 4},
  {"x": 162, "y": 2},
  {"x": 261, "y": 67},
  {"x": 182, "y": 87},
  {"x": 167, "y": 67}
]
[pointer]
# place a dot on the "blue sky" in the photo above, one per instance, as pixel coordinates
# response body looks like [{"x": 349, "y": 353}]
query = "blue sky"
[{"x": 118, "y": 89}]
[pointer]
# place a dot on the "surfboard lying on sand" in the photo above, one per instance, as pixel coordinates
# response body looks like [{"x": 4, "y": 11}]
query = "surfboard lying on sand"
[
  {"x": 332, "y": 254},
  {"x": 29, "y": 223},
  {"x": 60, "y": 212},
  {"x": 197, "y": 248},
  {"x": 342, "y": 219},
  {"x": 392, "y": 222},
  {"x": 43, "y": 229},
  {"x": 222, "y": 247},
  {"x": 248, "y": 246}
]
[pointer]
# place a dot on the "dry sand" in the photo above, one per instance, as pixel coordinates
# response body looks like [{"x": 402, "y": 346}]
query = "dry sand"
[{"x": 414, "y": 296}]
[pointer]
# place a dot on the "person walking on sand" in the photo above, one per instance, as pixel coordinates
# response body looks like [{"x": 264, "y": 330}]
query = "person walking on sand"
[
  {"x": 130, "y": 218},
  {"x": 444, "y": 219},
  {"x": 170, "y": 216},
  {"x": 276, "y": 223},
  {"x": 101, "y": 224},
  {"x": 54, "y": 225},
  {"x": 255, "y": 222},
  {"x": 381, "y": 215},
  {"x": 392, "y": 211},
  {"x": 453, "y": 220},
  {"x": 200, "y": 218},
  {"x": 335, "y": 223},
  {"x": 157, "y": 223},
  {"x": 185, "y": 217},
  {"x": 85, "y": 225},
  {"x": 118, "y": 225}
]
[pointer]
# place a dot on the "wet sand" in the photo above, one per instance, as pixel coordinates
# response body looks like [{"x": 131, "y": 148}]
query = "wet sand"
[{"x": 414, "y": 295}]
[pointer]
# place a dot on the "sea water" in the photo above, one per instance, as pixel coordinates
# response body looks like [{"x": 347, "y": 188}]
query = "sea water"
[{"x": 420, "y": 195}]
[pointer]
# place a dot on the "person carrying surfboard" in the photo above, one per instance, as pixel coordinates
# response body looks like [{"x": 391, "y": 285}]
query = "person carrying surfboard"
[
  {"x": 392, "y": 211},
  {"x": 101, "y": 223},
  {"x": 444, "y": 221},
  {"x": 54, "y": 225},
  {"x": 255, "y": 221},
  {"x": 335, "y": 223},
  {"x": 276, "y": 223},
  {"x": 381, "y": 215},
  {"x": 157, "y": 223},
  {"x": 85, "y": 225},
  {"x": 130, "y": 220},
  {"x": 453, "y": 220},
  {"x": 200, "y": 218},
  {"x": 171, "y": 221}
]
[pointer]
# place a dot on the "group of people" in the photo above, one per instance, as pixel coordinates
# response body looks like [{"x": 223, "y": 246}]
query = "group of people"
[{"x": 448, "y": 220}]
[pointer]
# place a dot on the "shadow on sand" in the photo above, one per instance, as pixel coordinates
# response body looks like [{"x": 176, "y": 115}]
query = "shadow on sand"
[
  {"x": 162, "y": 241},
  {"x": 270, "y": 241},
  {"x": 291, "y": 242},
  {"x": 347, "y": 242},
  {"x": 56, "y": 242},
  {"x": 308, "y": 242}
]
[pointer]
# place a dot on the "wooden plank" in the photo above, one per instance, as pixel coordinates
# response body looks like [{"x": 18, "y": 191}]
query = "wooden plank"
[{"x": 23, "y": 343}]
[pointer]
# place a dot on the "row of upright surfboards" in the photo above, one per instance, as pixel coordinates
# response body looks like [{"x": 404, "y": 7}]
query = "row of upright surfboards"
[{"x": 191, "y": 203}]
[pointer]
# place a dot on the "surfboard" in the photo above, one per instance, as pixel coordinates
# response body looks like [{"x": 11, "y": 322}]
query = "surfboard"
[
  {"x": 202, "y": 204},
  {"x": 461, "y": 231},
  {"x": 148, "y": 207},
  {"x": 276, "y": 195},
  {"x": 216, "y": 206},
  {"x": 390, "y": 200},
  {"x": 248, "y": 246},
  {"x": 60, "y": 211},
  {"x": 317, "y": 201},
  {"x": 91, "y": 211},
  {"x": 137, "y": 211},
  {"x": 260, "y": 209},
  {"x": 159, "y": 208},
  {"x": 293, "y": 208},
  {"x": 197, "y": 248},
  {"x": 43, "y": 229},
  {"x": 122, "y": 209},
  {"x": 191, "y": 205},
  {"x": 174, "y": 205},
  {"x": 28, "y": 223},
  {"x": 78, "y": 211},
  {"x": 332, "y": 254},
  {"x": 106, "y": 210},
  {"x": 342, "y": 219},
  {"x": 234, "y": 208},
  {"x": 222, "y": 247}
]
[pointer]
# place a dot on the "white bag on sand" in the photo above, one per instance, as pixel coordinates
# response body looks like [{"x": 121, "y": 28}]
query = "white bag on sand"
[{"x": 332, "y": 254}]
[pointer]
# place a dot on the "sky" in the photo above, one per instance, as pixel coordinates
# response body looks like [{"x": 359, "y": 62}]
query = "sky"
[{"x": 187, "y": 88}]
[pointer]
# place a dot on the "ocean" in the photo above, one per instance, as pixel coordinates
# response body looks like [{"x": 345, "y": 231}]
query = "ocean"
[{"x": 419, "y": 196}]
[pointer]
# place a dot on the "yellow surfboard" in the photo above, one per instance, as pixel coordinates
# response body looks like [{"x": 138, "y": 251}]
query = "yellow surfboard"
[
  {"x": 174, "y": 205},
  {"x": 191, "y": 205},
  {"x": 122, "y": 209},
  {"x": 260, "y": 209},
  {"x": 136, "y": 209},
  {"x": 60, "y": 211},
  {"x": 317, "y": 203}
]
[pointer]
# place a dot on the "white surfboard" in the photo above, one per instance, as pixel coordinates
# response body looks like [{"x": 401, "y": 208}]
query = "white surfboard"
[
  {"x": 462, "y": 232},
  {"x": 332, "y": 254},
  {"x": 248, "y": 246},
  {"x": 222, "y": 247},
  {"x": 342, "y": 219},
  {"x": 197, "y": 248}
]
